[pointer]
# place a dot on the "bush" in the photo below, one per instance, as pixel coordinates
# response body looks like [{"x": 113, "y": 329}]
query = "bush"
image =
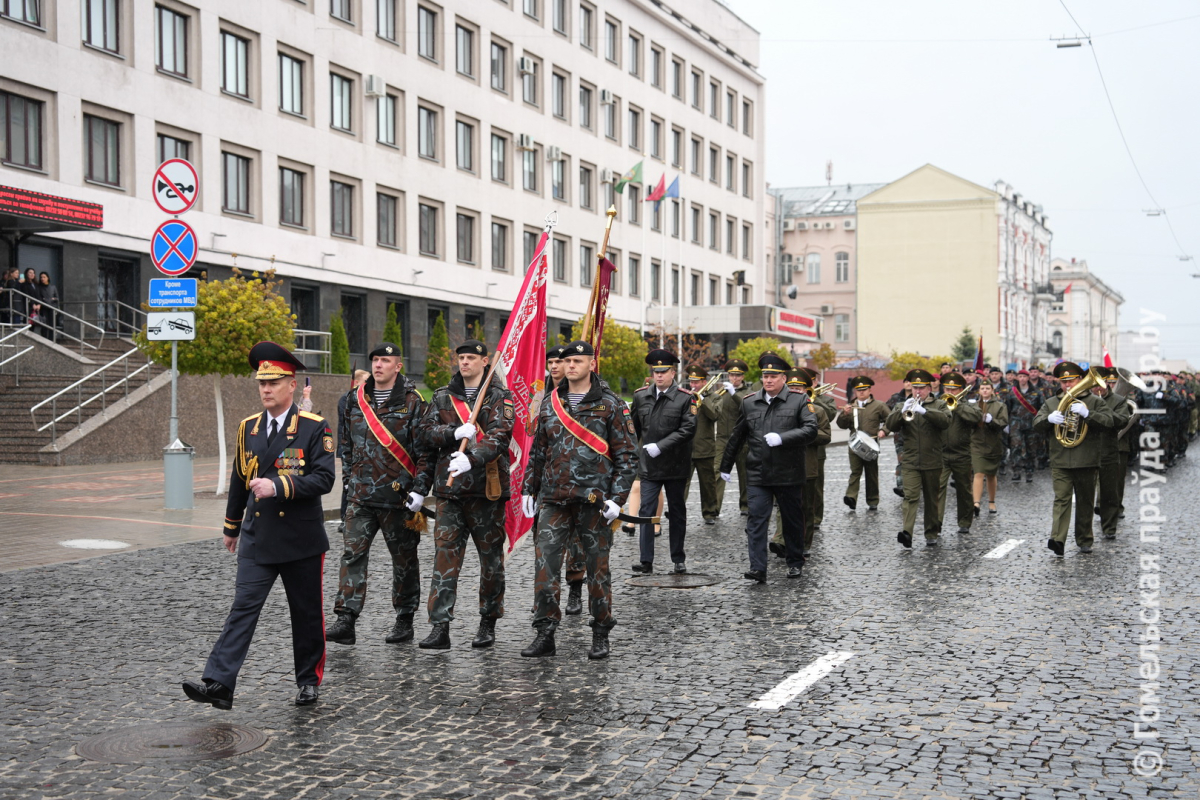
[
  {"x": 439, "y": 361},
  {"x": 339, "y": 346},
  {"x": 750, "y": 350}
]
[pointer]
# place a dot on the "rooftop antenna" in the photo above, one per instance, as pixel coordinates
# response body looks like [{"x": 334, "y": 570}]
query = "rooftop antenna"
[{"x": 829, "y": 173}]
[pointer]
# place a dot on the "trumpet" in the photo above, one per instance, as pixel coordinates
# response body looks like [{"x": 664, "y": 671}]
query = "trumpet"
[
  {"x": 1073, "y": 429},
  {"x": 952, "y": 400},
  {"x": 824, "y": 388},
  {"x": 910, "y": 415},
  {"x": 703, "y": 394}
]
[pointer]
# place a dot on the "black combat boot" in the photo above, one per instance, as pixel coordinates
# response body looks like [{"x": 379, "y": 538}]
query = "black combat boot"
[
  {"x": 438, "y": 638},
  {"x": 402, "y": 631},
  {"x": 575, "y": 599},
  {"x": 342, "y": 631},
  {"x": 542, "y": 644},
  {"x": 486, "y": 636},
  {"x": 599, "y": 643}
]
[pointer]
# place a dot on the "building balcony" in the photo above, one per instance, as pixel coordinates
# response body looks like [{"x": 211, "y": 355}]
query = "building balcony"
[{"x": 1045, "y": 293}]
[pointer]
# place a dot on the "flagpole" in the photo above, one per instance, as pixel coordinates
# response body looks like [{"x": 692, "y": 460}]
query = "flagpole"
[
  {"x": 682, "y": 276},
  {"x": 664, "y": 267},
  {"x": 642, "y": 275}
]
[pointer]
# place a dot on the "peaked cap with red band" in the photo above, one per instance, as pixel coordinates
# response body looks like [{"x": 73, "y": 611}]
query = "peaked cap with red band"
[{"x": 272, "y": 362}]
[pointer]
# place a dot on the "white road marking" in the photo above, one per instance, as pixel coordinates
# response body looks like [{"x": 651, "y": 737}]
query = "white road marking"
[
  {"x": 94, "y": 544},
  {"x": 1004, "y": 549},
  {"x": 795, "y": 684}
]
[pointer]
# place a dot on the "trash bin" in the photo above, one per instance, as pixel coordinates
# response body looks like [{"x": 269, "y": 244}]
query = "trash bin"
[{"x": 177, "y": 475}]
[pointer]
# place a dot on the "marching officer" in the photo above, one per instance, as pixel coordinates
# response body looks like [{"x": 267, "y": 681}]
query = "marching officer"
[
  {"x": 581, "y": 466},
  {"x": 737, "y": 389},
  {"x": 1073, "y": 469},
  {"x": 473, "y": 506},
  {"x": 824, "y": 401},
  {"x": 273, "y": 521},
  {"x": 987, "y": 445},
  {"x": 864, "y": 413},
  {"x": 574, "y": 564},
  {"x": 800, "y": 381},
  {"x": 1024, "y": 400},
  {"x": 894, "y": 402},
  {"x": 956, "y": 453},
  {"x": 664, "y": 421},
  {"x": 775, "y": 425},
  {"x": 385, "y": 466},
  {"x": 922, "y": 466},
  {"x": 1111, "y": 474},
  {"x": 704, "y": 450}
]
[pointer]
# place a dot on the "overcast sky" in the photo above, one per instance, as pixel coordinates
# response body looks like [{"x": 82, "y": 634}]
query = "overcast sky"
[{"x": 978, "y": 89}]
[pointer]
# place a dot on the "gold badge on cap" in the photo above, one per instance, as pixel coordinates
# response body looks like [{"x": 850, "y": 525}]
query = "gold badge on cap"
[
  {"x": 579, "y": 348},
  {"x": 388, "y": 350}
]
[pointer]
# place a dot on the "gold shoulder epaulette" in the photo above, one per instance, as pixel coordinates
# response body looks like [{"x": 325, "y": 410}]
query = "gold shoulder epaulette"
[
  {"x": 641, "y": 389},
  {"x": 250, "y": 418},
  {"x": 686, "y": 389},
  {"x": 312, "y": 416}
]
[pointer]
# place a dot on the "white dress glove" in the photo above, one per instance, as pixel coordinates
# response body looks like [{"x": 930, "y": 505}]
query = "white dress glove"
[
  {"x": 528, "y": 505},
  {"x": 773, "y": 439},
  {"x": 652, "y": 450},
  {"x": 987, "y": 417},
  {"x": 908, "y": 404},
  {"x": 611, "y": 510},
  {"x": 1158, "y": 395},
  {"x": 1055, "y": 417},
  {"x": 918, "y": 408},
  {"x": 415, "y": 501},
  {"x": 465, "y": 431},
  {"x": 729, "y": 387},
  {"x": 1080, "y": 409},
  {"x": 726, "y": 476},
  {"x": 459, "y": 463}
]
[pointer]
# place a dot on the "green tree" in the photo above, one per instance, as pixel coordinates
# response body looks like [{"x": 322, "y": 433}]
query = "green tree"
[
  {"x": 964, "y": 346},
  {"x": 750, "y": 350},
  {"x": 339, "y": 346},
  {"x": 231, "y": 317},
  {"x": 903, "y": 362},
  {"x": 824, "y": 356},
  {"x": 439, "y": 361},
  {"x": 391, "y": 329},
  {"x": 477, "y": 330},
  {"x": 622, "y": 354}
]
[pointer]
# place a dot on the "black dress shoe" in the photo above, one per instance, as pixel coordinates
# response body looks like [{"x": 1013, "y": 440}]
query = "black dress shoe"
[
  {"x": 795, "y": 572},
  {"x": 438, "y": 638},
  {"x": 904, "y": 538},
  {"x": 629, "y": 529},
  {"x": 402, "y": 631},
  {"x": 306, "y": 696},
  {"x": 680, "y": 568},
  {"x": 1056, "y": 547},
  {"x": 755, "y": 575},
  {"x": 1016, "y": 477},
  {"x": 542, "y": 645},
  {"x": 218, "y": 695},
  {"x": 961, "y": 531},
  {"x": 1029, "y": 477},
  {"x": 1085, "y": 548},
  {"x": 931, "y": 542},
  {"x": 852, "y": 502},
  {"x": 642, "y": 567},
  {"x": 709, "y": 521},
  {"x": 486, "y": 636},
  {"x": 1110, "y": 536},
  {"x": 896, "y": 490},
  {"x": 600, "y": 648},
  {"x": 777, "y": 548},
  {"x": 872, "y": 508},
  {"x": 574, "y": 599},
  {"x": 744, "y": 513}
]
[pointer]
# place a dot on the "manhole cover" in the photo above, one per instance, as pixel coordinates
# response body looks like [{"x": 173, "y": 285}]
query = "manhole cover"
[
  {"x": 171, "y": 741},
  {"x": 672, "y": 581}
]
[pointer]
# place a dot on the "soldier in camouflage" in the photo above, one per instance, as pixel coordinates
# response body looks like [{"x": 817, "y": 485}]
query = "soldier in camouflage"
[
  {"x": 1022, "y": 440},
  {"x": 575, "y": 564},
  {"x": 473, "y": 506},
  {"x": 581, "y": 466},
  {"x": 382, "y": 481}
]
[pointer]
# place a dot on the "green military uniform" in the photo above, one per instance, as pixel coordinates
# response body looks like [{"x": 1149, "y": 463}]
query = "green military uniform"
[
  {"x": 871, "y": 414},
  {"x": 704, "y": 451},
  {"x": 1073, "y": 469},
  {"x": 922, "y": 466},
  {"x": 956, "y": 457},
  {"x": 799, "y": 381},
  {"x": 1110, "y": 478},
  {"x": 987, "y": 440},
  {"x": 731, "y": 406},
  {"x": 825, "y": 402}
]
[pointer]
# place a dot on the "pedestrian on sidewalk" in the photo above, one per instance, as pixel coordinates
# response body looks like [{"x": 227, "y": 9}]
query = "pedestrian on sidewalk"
[{"x": 273, "y": 521}]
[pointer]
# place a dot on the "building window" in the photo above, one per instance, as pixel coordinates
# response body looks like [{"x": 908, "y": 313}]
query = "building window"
[
  {"x": 729, "y": 294},
  {"x": 386, "y": 208},
  {"x": 585, "y": 187},
  {"x": 235, "y": 178},
  {"x": 291, "y": 85},
  {"x": 746, "y": 237},
  {"x": 426, "y": 132},
  {"x": 656, "y": 62},
  {"x": 610, "y": 197},
  {"x": 655, "y": 281},
  {"x": 465, "y": 145},
  {"x": 655, "y": 139},
  {"x": 340, "y": 9},
  {"x": 427, "y": 233},
  {"x": 100, "y": 21},
  {"x": 464, "y": 60},
  {"x": 842, "y": 267},
  {"x": 730, "y": 103},
  {"x": 812, "y": 267},
  {"x": 170, "y": 41},
  {"x": 531, "y": 8},
  {"x": 291, "y": 197},
  {"x": 675, "y": 218},
  {"x": 558, "y": 16},
  {"x": 731, "y": 173},
  {"x": 558, "y": 255},
  {"x": 168, "y": 146},
  {"x": 729, "y": 237},
  {"x": 696, "y": 163},
  {"x": 22, "y": 11},
  {"x": 714, "y": 230},
  {"x": 841, "y": 327},
  {"x": 529, "y": 176},
  {"x": 635, "y": 129},
  {"x": 635, "y": 276},
  {"x": 385, "y": 122},
  {"x": 341, "y": 209},
  {"x": 558, "y": 95},
  {"x": 747, "y": 117},
  {"x": 585, "y": 264},
  {"x": 745, "y": 179},
  {"x": 610, "y": 119},
  {"x": 529, "y": 87},
  {"x": 426, "y": 33},
  {"x": 499, "y": 158},
  {"x": 585, "y": 107},
  {"x": 695, "y": 224},
  {"x": 341, "y": 93},
  {"x": 235, "y": 57},
  {"x": 635, "y": 56},
  {"x": 677, "y": 79},
  {"x": 385, "y": 19},
  {"x": 635, "y": 204},
  {"x": 674, "y": 286},
  {"x": 530, "y": 245},
  {"x": 558, "y": 181},
  {"x": 612, "y": 44},
  {"x": 714, "y": 295},
  {"x": 714, "y": 161},
  {"x": 21, "y": 131},
  {"x": 677, "y": 148},
  {"x": 656, "y": 216},
  {"x": 499, "y": 67},
  {"x": 697, "y": 91},
  {"x": 465, "y": 227},
  {"x": 585, "y": 26},
  {"x": 714, "y": 99},
  {"x": 500, "y": 247},
  {"x": 103, "y": 150},
  {"x": 697, "y": 299}
]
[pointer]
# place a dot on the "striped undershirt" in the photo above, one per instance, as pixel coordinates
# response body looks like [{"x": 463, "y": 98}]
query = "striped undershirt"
[
  {"x": 470, "y": 392},
  {"x": 381, "y": 396},
  {"x": 575, "y": 398}
]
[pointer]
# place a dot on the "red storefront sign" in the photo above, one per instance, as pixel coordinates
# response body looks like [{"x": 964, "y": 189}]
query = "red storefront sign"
[
  {"x": 795, "y": 324},
  {"x": 75, "y": 213}
]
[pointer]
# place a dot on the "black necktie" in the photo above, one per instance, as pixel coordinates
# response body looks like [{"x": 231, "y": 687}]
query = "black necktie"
[{"x": 274, "y": 430}]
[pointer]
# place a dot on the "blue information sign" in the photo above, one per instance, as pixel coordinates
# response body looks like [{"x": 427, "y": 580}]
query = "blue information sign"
[{"x": 173, "y": 293}]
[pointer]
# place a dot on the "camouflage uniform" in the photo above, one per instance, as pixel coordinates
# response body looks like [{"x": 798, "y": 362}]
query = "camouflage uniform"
[
  {"x": 1022, "y": 439},
  {"x": 463, "y": 509},
  {"x": 379, "y": 487},
  {"x": 575, "y": 562},
  {"x": 571, "y": 482}
]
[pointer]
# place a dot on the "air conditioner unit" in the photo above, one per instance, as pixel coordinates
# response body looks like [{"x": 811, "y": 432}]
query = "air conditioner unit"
[
  {"x": 607, "y": 176},
  {"x": 801, "y": 226},
  {"x": 826, "y": 309},
  {"x": 376, "y": 86},
  {"x": 828, "y": 224},
  {"x": 848, "y": 224},
  {"x": 524, "y": 141},
  {"x": 789, "y": 225},
  {"x": 526, "y": 66},
  {"x": 606, "y": 97},
  {"x": 553, "y": 153}
]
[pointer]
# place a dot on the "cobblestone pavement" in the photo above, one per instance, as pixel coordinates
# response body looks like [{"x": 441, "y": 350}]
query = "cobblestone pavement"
[{"x": 970, "y": 677}]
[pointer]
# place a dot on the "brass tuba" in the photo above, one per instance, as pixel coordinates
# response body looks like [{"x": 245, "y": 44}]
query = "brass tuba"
[
  {"x": 1073, "y": 429},
  {"x": 1125, "y": 385}
]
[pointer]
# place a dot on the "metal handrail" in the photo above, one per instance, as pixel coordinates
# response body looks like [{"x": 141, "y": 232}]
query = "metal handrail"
[
  {"x": 17, "y": 332},
  {"x": 102, "y": 395},
  {"x": 134, "y": 327},
  {"x": 14, "y": 358},
  {"x": 324, "y": 356},
  {"x": 58, "y": 310}
]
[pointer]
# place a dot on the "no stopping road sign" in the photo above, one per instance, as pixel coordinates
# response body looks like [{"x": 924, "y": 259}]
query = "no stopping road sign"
[{"x": 173, "y": 247}]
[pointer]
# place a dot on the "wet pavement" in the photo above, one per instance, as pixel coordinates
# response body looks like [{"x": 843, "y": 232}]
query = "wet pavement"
[{"x": 1014, "y": 676}]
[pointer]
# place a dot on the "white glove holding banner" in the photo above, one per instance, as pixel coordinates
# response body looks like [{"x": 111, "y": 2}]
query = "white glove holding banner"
[
  {"x": 773, "y": 439},
  {"x": 528, "y": 505},
  {"x": 459, "y": 463},
  {"x": 465, "y": 431},
  {"x": 1056, "y": 417},
  {"x": 611, "y": 510},
  {"x": 415, "y": 501}
]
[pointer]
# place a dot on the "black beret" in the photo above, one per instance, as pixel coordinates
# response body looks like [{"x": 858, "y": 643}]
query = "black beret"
[
  {"x": 472, "y": 346},
  {"x": 385, "y": 349}
]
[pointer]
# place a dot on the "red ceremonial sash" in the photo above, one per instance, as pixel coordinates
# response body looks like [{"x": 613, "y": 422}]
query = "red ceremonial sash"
[
  {"x": 1021, "y": 399},
  {"x": 464, "y": 414},
  {"x": 576, "y": 429},
  {"x": 383, "y": 434}
]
